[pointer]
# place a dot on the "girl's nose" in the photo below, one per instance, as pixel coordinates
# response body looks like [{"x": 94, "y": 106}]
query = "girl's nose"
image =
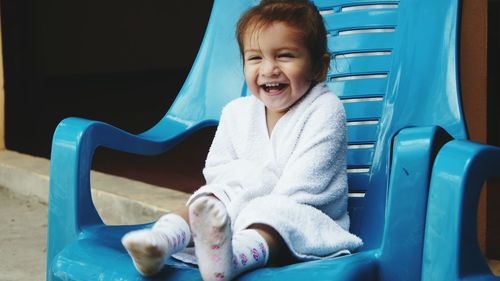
[{"x": 269, "y": 69}]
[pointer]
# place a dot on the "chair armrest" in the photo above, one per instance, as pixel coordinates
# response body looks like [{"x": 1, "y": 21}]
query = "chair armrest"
[
  {"x": 451, "y": 249},
  {"x": 413, "y": 154},
  {"x": 74, "y": 142}
]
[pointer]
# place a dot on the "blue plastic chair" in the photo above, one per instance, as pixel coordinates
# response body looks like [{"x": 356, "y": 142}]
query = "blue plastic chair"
[{"x": 395, "y": 68}]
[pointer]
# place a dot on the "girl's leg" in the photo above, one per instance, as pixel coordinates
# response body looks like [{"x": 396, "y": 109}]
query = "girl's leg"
[
  {"x": 279, "y": 254},
  {"x": 222, "y": 255},
  {"x": 149, "y": 247}
]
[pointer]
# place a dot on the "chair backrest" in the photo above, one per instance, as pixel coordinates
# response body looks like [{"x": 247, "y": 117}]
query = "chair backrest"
[{"x": 394, "y": 65}]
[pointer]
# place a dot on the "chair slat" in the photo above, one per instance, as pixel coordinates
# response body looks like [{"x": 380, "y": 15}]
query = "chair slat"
[
  {"x": 355, "y": 206},
  {"x": 360, "y": 157},
  {"x": 328, "y": 4},
  {"x": 345, "y": 64},
  {"x": 365, "y": 42},
  {"x": 363, "y": 19},
  {"x": 358, "y": 182},
  {"x": 362, "y": 133},
  {"x": 359, "y": 88},
  {"x": 368, "y": 110}
]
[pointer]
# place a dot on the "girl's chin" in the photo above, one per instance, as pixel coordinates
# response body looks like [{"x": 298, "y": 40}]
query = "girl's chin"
[
  {"x": 273, "y": 93},
  {"x": 276, "y": 109}
]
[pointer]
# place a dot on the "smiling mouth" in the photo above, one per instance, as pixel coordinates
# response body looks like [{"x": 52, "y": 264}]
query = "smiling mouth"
[{"x": 273, "y": 88}]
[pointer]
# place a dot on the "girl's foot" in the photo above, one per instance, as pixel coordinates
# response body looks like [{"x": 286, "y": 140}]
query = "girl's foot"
[
  {"x": 222, "y": 256},
  {"x": 212, "y": 238},
  {"x": 149, "y": 247}
]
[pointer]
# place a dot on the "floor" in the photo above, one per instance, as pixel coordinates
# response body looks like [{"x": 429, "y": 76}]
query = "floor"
[{"x": 23, "y": 235}]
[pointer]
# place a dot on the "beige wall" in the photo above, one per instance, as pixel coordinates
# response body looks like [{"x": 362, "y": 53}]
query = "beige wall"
[{"x": 473, "y": 80}]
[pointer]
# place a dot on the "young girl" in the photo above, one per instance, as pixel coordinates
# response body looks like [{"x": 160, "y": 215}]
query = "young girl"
[{"x": 276, "y": 171}]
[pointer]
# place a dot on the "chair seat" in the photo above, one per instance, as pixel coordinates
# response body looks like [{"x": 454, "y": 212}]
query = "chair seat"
[{"x": 83, "y": 260}]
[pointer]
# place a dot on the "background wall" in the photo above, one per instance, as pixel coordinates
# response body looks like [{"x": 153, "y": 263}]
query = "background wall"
[
  {"x": 493, "y": 131},
  {"x": 473, "y": 80}
]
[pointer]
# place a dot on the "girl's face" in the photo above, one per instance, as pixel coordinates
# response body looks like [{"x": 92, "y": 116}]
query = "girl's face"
[{"x": 277, "y": 66}]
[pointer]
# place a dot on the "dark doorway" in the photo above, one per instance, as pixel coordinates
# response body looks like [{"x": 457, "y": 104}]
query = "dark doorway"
[{"x": 121, "y": 62}]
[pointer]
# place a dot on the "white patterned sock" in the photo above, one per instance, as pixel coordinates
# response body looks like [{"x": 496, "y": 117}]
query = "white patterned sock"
[
  {"x": 149, "y": 247},
  {"x": 250, "y": 251},
  {"x": 220, "y": 255}
]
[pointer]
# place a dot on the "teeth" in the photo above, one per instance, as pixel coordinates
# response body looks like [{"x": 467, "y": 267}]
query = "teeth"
[{"x": 271, "y": 84}]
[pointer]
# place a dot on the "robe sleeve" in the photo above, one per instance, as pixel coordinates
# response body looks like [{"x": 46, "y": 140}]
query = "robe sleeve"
[
  {"x": 316, "y": 172},
  {"x": 221, "y": 164}
]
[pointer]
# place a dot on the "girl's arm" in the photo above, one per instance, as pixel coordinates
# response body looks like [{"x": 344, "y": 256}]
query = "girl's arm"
[
  {"x": 221, "y": 155},
  {"x": 316, "y": 172}
]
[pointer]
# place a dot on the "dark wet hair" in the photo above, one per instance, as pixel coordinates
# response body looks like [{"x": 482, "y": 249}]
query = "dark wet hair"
[{"x": 299, "y": 14}]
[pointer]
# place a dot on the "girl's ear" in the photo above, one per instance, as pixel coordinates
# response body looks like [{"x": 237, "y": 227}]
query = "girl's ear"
[{"x": 322, "y": 68}]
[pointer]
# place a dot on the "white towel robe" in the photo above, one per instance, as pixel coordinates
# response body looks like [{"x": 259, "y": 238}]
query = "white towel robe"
[{"x": 294, "y": 181}]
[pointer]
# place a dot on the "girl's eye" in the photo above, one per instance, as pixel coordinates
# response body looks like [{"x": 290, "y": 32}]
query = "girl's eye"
[
  {"x": 286, "y": 55},
  {"x": 253, "y": 58}
]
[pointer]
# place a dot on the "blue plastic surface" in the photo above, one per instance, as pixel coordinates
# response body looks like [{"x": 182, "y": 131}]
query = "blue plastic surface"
[
  {"x": 394, "y": 66},
  {"x": 451, "y": 249}
]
